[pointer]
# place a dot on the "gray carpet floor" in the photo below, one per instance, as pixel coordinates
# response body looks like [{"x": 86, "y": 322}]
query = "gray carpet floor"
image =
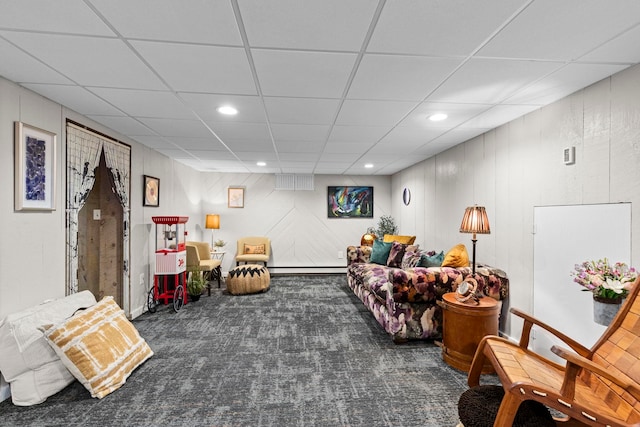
[{"x": 305, "y": 353}]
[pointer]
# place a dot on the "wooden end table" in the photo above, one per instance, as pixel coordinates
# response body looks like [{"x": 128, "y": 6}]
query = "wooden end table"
[{"x": 463, "y": 326}]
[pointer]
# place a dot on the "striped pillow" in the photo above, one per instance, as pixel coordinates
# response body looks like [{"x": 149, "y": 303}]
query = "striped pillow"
[{"x": 99, "y": 346}]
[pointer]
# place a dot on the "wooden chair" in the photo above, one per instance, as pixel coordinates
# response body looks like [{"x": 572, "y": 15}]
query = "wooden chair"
[{"x": 595, "y": 387}]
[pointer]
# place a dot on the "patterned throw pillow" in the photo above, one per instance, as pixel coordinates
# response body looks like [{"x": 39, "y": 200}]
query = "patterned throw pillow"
[
  {"x": 410, "y": 259},
  {"x": 380, "y": 252},
  {"x": 99, "y": 346},
  {"x": 253, "y": 249},
  {"x": 396, "y": 254}
]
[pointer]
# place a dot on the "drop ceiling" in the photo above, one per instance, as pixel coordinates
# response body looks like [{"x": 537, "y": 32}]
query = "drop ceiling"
[{"x": 321, "y": 86}]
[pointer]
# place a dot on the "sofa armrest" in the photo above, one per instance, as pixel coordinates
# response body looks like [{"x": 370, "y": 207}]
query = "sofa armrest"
[{"x": 358, "y": 254}]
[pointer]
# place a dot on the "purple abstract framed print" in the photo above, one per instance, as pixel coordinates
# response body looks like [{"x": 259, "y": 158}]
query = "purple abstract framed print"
[{"x": 35, "y": 168}]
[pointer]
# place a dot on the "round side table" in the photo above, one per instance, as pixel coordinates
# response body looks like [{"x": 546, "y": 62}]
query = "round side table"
[{"x": 463, "y": 326}]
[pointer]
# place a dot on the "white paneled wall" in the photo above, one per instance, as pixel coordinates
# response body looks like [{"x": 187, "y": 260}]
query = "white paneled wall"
[
  {"x": 296, "y": 221},
  {"x": 513, "y": 168}
]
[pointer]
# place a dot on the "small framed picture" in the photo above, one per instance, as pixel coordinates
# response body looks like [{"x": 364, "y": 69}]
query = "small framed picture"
[
  {"x": 35, "y": 169},
  {"x": 151, "y": 191},
  {"x": 235, "y": 197}
]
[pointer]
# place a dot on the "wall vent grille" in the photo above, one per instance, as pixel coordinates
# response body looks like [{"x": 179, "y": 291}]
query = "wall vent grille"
[{"x": 290, "y": 181}]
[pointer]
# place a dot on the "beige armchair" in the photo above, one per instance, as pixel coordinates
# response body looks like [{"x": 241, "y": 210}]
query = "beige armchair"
[
  {"x": 199, "y": 259},
  {"x": 253, "y": 249}
]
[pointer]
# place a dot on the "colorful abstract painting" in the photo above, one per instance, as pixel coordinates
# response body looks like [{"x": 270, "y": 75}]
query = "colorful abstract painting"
[{"x": 350, "y": 202}]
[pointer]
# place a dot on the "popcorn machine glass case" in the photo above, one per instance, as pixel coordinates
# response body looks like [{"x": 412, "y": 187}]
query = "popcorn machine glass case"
[{"x": 169, "y": 283}]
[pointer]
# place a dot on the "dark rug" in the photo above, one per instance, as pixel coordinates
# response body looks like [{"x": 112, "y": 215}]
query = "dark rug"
[{"x": 305, "y": 353}]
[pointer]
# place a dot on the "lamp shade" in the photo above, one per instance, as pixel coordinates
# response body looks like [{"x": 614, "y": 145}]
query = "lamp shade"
[
  {"x": 475, "y": 220},
  {"x": 212, "y": 221}
]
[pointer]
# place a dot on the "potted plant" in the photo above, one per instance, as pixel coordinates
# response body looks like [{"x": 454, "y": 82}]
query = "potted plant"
[
  {"x": 386, "y": 225},
  {"x": 195, "y": 285},
  {"x": 218, "y": 245},
  {"x": 608, "y": 283}
]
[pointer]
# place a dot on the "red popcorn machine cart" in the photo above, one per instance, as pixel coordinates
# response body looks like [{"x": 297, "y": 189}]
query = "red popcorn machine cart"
[{"x": 170, "y": 279}]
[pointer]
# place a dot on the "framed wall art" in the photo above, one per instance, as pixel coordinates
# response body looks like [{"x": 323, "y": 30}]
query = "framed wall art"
[
  {"x": 235, "y": 197},
  {"x": 35, "y": 168},
  {"x": 151, "y": 191},
  {"x": 350, "y": 202}
]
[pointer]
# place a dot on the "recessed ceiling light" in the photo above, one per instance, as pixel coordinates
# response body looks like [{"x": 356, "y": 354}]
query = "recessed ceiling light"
[
  {"x": 261, "y": 164},
  {"x": 368, "y": 165},
  {"x": 437, "y": 117},
  {"x": 227, "y": 110}
]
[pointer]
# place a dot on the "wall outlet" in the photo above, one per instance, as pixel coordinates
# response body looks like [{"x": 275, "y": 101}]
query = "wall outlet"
[
  {"x": 97, "y": 214},
  {"x": 340, "y": 254}
]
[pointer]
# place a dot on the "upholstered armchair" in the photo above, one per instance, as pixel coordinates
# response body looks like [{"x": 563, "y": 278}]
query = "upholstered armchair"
[
  {"x": 253, "y": 249},
  {"x": 199, "y": 259}
]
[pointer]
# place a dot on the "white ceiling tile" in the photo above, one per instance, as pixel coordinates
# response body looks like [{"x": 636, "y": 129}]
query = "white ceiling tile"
[
  {"x": 367, "y": 134},
  {"x": 212, "y": 154},
  {"x": 181, "y": 128},
  {"x": 75, "y": 98},
  {"x": 242, "y": 145},
  {"x": 310, "y": 111},
  {"x": 239, "y": 131},
  {"x": 298, "y": 156},
  {"x": 210, "y": 21},
  {"x": 89, "y": 61},
  {"x": 249, "y": 108},
  {"x": 192, "y": 144},
  {"x": 198, "y": 68},
  {"x": 68, "y": 17},
  {"x": 144, "y": 103},
  {"x": 254, "y": 156},
  {"x": 344, "y": 158},
  {"x": 457, "y": 113},
  {"x": 308, "y": 24},
  {"x": 125, "y": 125},
  {"x": 316, "y": 133},
  {"x": 302, "y": 74},
  {"x": 298, "y": 147},
  {"x": 621, "y": 49},
  {"x": 347, "y": 148},
  {"x": 562, "y": 83},
  {"x": 155, "y": 142},
  {"x": 403, "y": 135},
  {"x": 490, "y": 80},
  {"x": 30, "y": 69},
  {"x": 331, "y": 168},
  {"x": 497, "y": 116},
  {"x": 579, "y": 24},
  {"x": 374, "y": 113},
  {"x": 398, "y": 77},
  {"x": 448, "y": 28}
]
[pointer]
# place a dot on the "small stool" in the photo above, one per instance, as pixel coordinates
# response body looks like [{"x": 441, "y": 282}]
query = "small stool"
[
  {"x": 478, "y": 407},
  {"x": 248, "y": 279}
]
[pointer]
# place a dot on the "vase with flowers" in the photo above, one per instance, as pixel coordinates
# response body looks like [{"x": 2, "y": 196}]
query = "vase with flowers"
[{"x": 608, "y": 283}]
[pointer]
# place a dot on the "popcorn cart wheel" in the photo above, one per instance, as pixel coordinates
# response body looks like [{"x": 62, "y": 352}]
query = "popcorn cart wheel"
[{"x": 171, "y": 263}]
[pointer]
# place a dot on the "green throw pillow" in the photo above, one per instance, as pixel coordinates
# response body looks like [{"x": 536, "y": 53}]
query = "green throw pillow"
[
  {"x": 380, "y": 252},
  {"x": 432, "y": 261}
]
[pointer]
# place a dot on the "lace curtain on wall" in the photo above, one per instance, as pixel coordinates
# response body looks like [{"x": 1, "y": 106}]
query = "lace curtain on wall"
[{"x": 83, "y": 157}]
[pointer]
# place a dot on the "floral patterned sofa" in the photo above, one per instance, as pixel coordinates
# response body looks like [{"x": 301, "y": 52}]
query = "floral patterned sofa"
[{"x": 403, "y": 300}]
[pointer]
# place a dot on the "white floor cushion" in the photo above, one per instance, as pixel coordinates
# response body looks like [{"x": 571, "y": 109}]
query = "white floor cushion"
[{"x": 27, "y": 361}]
